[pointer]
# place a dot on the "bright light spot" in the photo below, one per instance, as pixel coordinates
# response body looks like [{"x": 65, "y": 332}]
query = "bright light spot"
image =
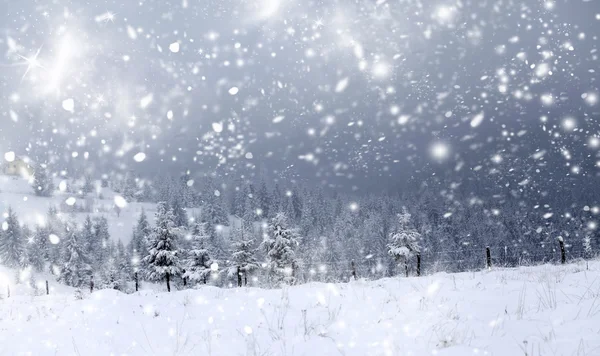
[
  {"x": 445, "y": 14},
  {"x": 569, "y": 124},
  {"x": 477, "y": 120},
  {"x": 54, "y": 239},
  {"x": 440, "y": 151},
  {"x": 139, "y": 157},
  {"x": 542, "y": 70},
  {"x": 248, "y": 155},
  {"x": 62, "y": 186},
  {"x": 4, "y": 226},
  {"x": 268, "y": 8},
  {"x": 381, "y": 70},
  {"x": 592, "y": 225},
  {"x": 353, "y": 206},
  {"x": 247, "y": 330},
  {"x": 233, "y": 90},
  {"x": 217, "y": 127},
  {"x": 594, "y": 142},
  {"x": 278, "y": 119},
  {"x": 120, "y": 201},
  {"x": 145, "y": 101},
  {"x": 497, "y": 159},
  {"x": 70, "y": 201},
  {"x": 69, "y": 105},
  {"x": 214, "y": 267},
  {"x": 590, "y": 98},
  {"x": 9, "y": 156},
  {"x": 547, "y": 99},
  {"x": 174, "y": 47}
]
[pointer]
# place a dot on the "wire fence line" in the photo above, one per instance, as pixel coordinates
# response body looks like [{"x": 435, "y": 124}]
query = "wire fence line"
[{"x": 456, "y": 260}]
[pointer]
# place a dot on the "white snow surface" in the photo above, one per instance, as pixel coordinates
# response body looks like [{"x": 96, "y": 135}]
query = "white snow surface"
[{"x": 545, "y": 310}]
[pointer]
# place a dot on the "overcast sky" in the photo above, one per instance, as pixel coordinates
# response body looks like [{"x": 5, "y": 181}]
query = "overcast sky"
[{"x": 362, "y": 94}]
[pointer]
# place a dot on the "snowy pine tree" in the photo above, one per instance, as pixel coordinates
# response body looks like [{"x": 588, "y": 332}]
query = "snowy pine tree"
[
  {"x": 280, "y": 244},
  {"x": 197, "y": 260},
  {"x": 162, "y": 258},
  {"x": 101, "y": 240},
  {"x": 12, "y": 242},
  {"x": 243, "y": 257},
  {"x": 76, "y": 269},
  {"x": 404, "y": 241},
  {"x": 42, "y": 182},
  {"x": 138, "y": 246}
]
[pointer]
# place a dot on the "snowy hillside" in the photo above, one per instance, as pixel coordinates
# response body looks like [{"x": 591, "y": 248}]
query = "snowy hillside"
[
  {"x": 17, "y": 193},
  {"x": 543, "y": 310}
]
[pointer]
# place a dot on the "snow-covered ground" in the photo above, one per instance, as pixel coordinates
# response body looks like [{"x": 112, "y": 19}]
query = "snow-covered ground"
[
  {"x": 32, "y": 210},
  {"x": 542, "y": 310}
]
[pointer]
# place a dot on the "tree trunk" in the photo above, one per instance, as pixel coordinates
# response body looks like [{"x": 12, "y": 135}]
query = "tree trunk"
[
  {"x": 245, "y": 278},
  {"x": 168, "y": 282},
  {"x": 136, "y": 281},
  {"x": 239, "y": 276}
]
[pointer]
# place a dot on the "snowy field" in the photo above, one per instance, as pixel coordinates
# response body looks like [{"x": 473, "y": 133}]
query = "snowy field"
[{"x": 543, "y": 310}]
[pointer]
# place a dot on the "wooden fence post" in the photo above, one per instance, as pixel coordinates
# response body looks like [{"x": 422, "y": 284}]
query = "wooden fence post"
[
  {"x": 418, "y": 264},
  {"x": 488, "y": 255},
  {"x": 47, "y": 289},
  {"x": 563, "y": 256},
  {"x": 353, "y": 266}
]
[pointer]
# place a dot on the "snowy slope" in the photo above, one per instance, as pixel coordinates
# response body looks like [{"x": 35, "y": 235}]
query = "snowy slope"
[
  {"x": 543, "y": 310},
  {"x": 31, "y": 209}
]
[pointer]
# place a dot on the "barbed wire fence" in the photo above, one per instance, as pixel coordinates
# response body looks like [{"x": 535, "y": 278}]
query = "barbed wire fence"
[{"x": 428, "y": 262}]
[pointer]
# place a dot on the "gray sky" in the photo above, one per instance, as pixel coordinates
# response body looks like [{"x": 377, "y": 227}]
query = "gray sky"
[{"x": 362, "y": 94}]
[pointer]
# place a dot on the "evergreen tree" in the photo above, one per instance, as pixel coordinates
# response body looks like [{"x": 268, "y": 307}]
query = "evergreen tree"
[
  {"x": 88, "y": 185},
  {"x": 180, "y": 214},
  {"x": 129, "y": 188},
  {"x": 280, "y": 243},
  {"x": 138, "y": 246},
  {"x": 12, "y": 242},
  {"x": 404, "y": 241},
  {"x": 76, "y": 269},
  {"x": 264, "y": 200},
  {"x": 163, "y": 259},
  {"x": 42, "y": 182},
  {"x": 101, "y": 246},
  {"x": 35, "y": 250},
  {"x": 243, "y": 259},
  {"x": 197, "y": 263}
]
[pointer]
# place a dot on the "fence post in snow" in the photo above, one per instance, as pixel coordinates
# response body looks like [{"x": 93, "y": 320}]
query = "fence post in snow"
[
  {"x": 418, "y": 265},
  {"x": 353, "y": 266},
  {"x": 488, "y": 255},
  {"x": 47, "y": 289},
  {"x": 563, "y": 256}
]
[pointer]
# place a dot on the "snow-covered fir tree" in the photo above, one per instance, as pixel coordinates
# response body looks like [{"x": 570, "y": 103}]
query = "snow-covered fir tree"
[
  {"x": 100, "y": 250},
  {"x": 75, "y": 270},
  {"x": 404, "y": 241},
  {"x": 42, "y": 183},
  {"x": 243, "y": 256},
  {"x": 197, "y": 259},
  {"x": 12, "y": 242},
  {"x": 280, "y": 244},
  {"x": 138, "y": 246},
  {"x": 162, "y": 258}
]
